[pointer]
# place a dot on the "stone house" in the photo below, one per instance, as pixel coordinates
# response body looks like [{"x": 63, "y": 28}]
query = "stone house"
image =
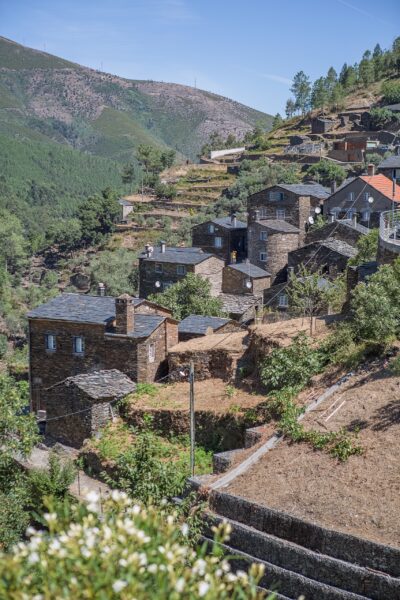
[
  {"x": 125, "y": 207},
  {"x": 352, "y": 200},
  {"x": 75, "y": 334},
  {"x": 321, "y": 125},
  {"x": 245, "y": 278},
  {"x": 222, "y": 237},
  {"x": 294, "y": 203},
  {"x": 79, "y": 406},
  {"x": 329, "y": 256},
  {"x": 196, "y": 326},
  {"x": 277, "y": 297},
  {"x": 269, "y": 242},
  {"x": 161, "y": 267},
  {"x": 390, "y": 167},
  {"x": 242, "y": 308}
]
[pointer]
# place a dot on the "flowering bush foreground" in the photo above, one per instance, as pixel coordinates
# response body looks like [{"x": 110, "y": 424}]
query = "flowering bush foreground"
[{"x": 127, "y": 552}]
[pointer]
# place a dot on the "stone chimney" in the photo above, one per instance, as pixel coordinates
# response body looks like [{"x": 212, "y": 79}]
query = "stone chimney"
[
  {"x": 163, "y": 247},
  {"x": 233, "y": 220},
  {"x": 371, "y": 170},
  {"x": 101, "y": 289},
  {"x": 354, "y": 219},
  {"x": 333, "y": 186},
  {"x": 125, "y": 314}
]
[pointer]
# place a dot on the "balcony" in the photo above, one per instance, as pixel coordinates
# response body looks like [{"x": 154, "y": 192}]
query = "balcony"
[{"x": 389, "y": 230}]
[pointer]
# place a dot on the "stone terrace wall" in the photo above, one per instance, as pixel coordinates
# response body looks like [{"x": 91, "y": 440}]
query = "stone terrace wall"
[{"x": 332, "y": 543}]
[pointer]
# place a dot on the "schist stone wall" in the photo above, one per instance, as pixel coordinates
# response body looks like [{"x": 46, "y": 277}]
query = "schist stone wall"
[
  {"x": 277, "y": 246},
  {"x": 335, "y": 230},
  {"x": 211, "y": 269},
  {"x": 318, "y": 258},
  {"x": 101, "y": 351},
  {"x": 232, "y": 239},
  {"x": 234, "y": 282},
  {"x": 297, "y": 209}
]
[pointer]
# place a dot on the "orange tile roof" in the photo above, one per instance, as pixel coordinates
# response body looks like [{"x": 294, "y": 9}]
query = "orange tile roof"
[{"x": 383, "y": 184}]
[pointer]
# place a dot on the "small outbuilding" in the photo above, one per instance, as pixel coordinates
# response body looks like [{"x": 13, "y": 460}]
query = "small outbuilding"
[
  {"x": 195, "y": 326},
  {"x": 78, "y": 407}
]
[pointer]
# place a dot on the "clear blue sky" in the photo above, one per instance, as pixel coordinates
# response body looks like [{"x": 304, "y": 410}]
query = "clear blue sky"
[{"x": 247, "y": 50}]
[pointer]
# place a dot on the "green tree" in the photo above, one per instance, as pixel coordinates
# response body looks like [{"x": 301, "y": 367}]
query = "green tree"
[
  {"x": 190, "y": 296},
  {"x": 13, "y": 246},
  {"x": 349, "y": 78},
  {"x": 391, "y": 91},
  {"x": 128, "y": 175},
  {"x": 116, "y": 269},
  {"x": 165, "y": 190},
  {"x": 290, "y": 108},
  {"x": 307, "y": 292},
  {"x": 326, "y": 171},
  {"x": 337, "y": 96},
  {"x": 97, "y": 216},
  {"x": 53, "y": 481},
  {"x": 301, "y": 90},
  {"x": 366, "y": 71},
  {"x": 367, "y": 248},
  {"x": 319, "y": 94},
  {"x": 277, "y": 121},
  {"x": 331, "y": 80}
]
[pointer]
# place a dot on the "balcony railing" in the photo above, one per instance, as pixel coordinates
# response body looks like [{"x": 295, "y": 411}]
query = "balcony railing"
[{"x": 389, "y": 230}]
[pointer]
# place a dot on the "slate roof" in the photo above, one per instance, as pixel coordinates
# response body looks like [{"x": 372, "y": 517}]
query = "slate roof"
[
  {"x": 123, "y": 202},
  {"x": 306, "y": 189},
  {"x": 237, "y": 304},
  {"x": 182, "y": 256},
  {"x": 250, "y": 270},
  {"x": 393, "y": 107},
  {"x": 356, "y": 226},
  {"x": 199, "y": 324},
  {"x": 227, "y": 223},
  {"x": 339, "y": 247},
  {"x": 278, "y": 225},
  {"x": 391, "y": 162},
  {"x": 99, "y": 310},
  {"x": 102, "y": 385}
]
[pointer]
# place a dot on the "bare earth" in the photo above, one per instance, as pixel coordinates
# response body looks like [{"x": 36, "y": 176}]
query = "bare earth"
[{"x": 360, "y": 496}]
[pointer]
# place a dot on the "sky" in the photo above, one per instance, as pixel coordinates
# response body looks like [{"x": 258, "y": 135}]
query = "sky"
[{"x": 247, "y": 50}]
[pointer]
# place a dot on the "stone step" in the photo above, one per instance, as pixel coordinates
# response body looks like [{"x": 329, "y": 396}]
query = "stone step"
[
  {"x": 284, "y": 581},
  {"x": 312, "y": 565}
]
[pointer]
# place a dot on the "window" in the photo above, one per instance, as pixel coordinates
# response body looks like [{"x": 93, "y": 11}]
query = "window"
[
  {"x": 283, "y": 301},
  {"x": 167, "y": 284},
  {"x": 366, "y": 196},
  {"x": 263, "y": 256},
  {"x": 218, "y": 242},
  {"x": 50, "y": 340},
  {"x": 365, "y": 215},
  {"x": 263, "y": 212},
  {"x": 280, "y": 213},
  {"x": 180, "y": 270},
  {"x": 350, "y": 197},
  {"x": 79, "y": 345},
  {"x": 276, "y": 196},
  {"x": 211, "y": 228},
  {"x": 152, "y": 352},
  {"x": 263, "y": 236},
  {"x": 158, "y": 268}
]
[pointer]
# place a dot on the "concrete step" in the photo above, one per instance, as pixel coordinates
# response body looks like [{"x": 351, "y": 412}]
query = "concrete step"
[
  {"x": 287, "y": 583},
  {"x": 309, "y": 564}
]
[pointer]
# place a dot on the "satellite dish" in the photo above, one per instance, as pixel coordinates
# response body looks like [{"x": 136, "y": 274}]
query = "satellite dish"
[{"x": 311, "y": 220}]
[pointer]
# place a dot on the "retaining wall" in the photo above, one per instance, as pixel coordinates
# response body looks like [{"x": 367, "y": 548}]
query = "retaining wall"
[{"x": 332, "y": 543}]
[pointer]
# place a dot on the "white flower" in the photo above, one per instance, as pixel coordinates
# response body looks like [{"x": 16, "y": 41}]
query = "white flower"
[
  {"x": 170, "y": 519},
  {"x": 55, "y": 545},
  {"x": 203, "y": 588},
  {"x": 200, "y": 566},
  {"x": 123, "y": 562},
  {"x": 119, "y": 585},
  {"x": 33, "y": 558},
  {"x": 180, "y": 584},
  {"x": 86, "y": 552},
  {"x": 92, "y": 497},
  {"x": 50, "y": 517},
  {"x": 185, "y": 529},
  {"x": 30, "y": 531},
  {"x": 152, "y": 568}
]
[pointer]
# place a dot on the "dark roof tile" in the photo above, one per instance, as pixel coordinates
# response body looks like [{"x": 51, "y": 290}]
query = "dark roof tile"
[
  {"x": 102, "y": 385},
  {"x": 250, "y": 270},
  {"x": 183, "y": 256},
  {"x": 278, "y": 225},
  {"x": 199, "y": 324}
]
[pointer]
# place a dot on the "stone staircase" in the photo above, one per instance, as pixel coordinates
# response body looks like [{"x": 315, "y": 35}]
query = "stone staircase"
[{"x": 301, "y": 558}]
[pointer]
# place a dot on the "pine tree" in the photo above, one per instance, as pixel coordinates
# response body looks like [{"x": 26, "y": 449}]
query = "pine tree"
[
  {"x": 301, "y": 89},
  {"x": 290, "y": 108}
]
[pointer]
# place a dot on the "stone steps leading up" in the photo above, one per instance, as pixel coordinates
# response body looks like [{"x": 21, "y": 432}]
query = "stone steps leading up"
[{"x": 324, "y": 569}]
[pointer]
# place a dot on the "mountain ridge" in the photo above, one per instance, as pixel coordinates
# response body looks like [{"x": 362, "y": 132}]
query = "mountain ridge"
[{"x": 65, "y": 102}]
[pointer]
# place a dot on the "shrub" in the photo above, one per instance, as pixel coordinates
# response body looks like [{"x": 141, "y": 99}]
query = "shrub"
[
  {"x": 325, "y": 172},
  {"x": 126, "y": 552},
  {"x": 54, "y": 481},
  {"x": 3, "y": 345},
  {"x": 379, "y": 117},
  {"x": 291, "y": 366},
  {"x": 391, "y": 91}
]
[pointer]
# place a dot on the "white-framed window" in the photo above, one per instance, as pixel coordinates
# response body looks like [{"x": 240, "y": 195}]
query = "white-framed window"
[
  {"x": 152, "y": 352},
  {"x": 366, "y": 196},
  {"x": 218, "y": 242},
  {"x": 350, "y": 197},
  {"x": 365, "y": 215},
  {"x": 158, "y": 267},
  {"x": 263, "y": 256},
  {"x": 276, "y": 195},
  {"x": 280, "y": 213},
  {"x": 211, "y": 228},
  {"x": 78, "y": 344},
  {"x": 283, "y": 300},
  {"x": 180, "y": 270},
  {"x": 50, "y": 342},
  {"x": 263, "y": 212},
  {"x": 263, "y": 236}
]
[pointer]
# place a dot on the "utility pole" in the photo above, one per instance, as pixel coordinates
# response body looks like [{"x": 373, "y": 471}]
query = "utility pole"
[{"x": 191, "y": 411}]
